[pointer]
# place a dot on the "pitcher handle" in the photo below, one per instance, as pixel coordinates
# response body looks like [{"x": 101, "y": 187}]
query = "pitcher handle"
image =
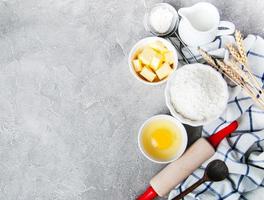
[{"x": 226, "y": 24}]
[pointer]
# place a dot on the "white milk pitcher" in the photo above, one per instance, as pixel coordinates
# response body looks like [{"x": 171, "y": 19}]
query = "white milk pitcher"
[{"x": 200, "y": 24}]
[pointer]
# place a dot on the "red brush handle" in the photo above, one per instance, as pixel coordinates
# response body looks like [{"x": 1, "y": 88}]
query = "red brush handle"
[{"x": 216, "y": 138}]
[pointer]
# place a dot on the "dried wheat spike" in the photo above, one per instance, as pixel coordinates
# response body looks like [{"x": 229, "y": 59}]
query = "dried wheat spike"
[
  {"x": 207, "y": 57},
  {"x": 234, "y": 52},
  {"x": 244, "y": 60},
  {"x": 241, "y": 47},
  {"x": 232, "y": 71},
  {"x": 235, "y": 66},
  {"x": 231, "y": 74},
  {"x": 218, "y": 65}
]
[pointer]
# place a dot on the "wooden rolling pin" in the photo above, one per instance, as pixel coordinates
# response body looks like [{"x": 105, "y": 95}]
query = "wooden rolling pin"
[{"x": 174, "y": 173}]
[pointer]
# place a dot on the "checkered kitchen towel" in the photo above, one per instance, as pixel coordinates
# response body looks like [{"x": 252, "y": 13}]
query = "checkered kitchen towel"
[{"x": 243, "y": 151}]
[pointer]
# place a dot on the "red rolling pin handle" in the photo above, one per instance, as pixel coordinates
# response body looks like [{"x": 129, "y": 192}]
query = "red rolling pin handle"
[
  {"x": 149, "y": 194},
  {"x": 216, "y": 138}
]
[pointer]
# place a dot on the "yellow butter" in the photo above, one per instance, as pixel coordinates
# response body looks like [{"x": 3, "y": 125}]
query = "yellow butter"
[
  {"x": 146, "y": 55},
  {"x": 169, "y": 57},
  {"x": 137, "y": 65},
  {"x": 163, "y": 71},
  {"x": 156, "y": 62},
  {"x": 158, "y": 46},
  {"x": 148, "y": 74}
]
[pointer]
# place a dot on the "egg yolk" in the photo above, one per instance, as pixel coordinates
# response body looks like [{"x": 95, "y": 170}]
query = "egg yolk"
[{"x": 161, "y": 139}]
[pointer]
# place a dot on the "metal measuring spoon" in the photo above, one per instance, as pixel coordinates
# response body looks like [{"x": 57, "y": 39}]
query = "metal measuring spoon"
[
  {"x": 172, "y": 31},
  {"x": 215, "y": 171}
]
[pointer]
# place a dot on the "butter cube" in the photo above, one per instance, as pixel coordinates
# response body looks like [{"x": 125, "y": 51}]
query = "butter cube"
[
  {"x": 159, "y": 46},
  {"x": 137, "y": 65},
  {"x": 156, "y": 62},
  {"x": 148, "y": 74},
  {"x": 146, "y": 55},
  {"x": 164, "y": 71},
  {"x": 169, "y": 57}
]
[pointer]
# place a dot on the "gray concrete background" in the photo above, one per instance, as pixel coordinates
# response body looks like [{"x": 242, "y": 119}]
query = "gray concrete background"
[{"x": 69, "y": 108}]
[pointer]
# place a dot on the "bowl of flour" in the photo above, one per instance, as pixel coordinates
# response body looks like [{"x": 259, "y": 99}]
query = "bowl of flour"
[{"x": 196, "y": 94}]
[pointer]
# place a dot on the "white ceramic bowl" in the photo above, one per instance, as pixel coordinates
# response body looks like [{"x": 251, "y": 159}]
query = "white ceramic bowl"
[
  {"x": 183, "y": 133},
  {"x": 180, "y": 117},
  {"x": 174, "y": 23},
  {"x": 143, "y": 43}
]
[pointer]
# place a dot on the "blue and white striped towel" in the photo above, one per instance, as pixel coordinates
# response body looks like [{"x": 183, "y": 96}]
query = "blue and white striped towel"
[{"x": 243, "y": 151}]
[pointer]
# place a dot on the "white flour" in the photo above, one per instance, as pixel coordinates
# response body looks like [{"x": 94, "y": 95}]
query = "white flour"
[
  {"x": 161, "y": 19},
  {"x": 198, "y": 93}
]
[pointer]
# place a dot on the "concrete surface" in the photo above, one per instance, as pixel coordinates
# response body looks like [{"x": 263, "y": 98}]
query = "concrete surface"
[{"x": 69, "y": 108}]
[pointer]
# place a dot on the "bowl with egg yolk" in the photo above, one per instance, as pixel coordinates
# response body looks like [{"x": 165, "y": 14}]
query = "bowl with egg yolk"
[{"x": 162, "y": 139}]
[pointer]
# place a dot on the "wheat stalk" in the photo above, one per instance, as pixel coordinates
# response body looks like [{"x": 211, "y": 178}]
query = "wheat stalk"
[
  {"x": 217, "y": 64},
  {"x": 231, "y": 70},
  {"x": 238, "y": 70},
  {"x": 234, "y": 52},
  {"x": 251, "y": 93},
  {"x": 207, "y": 58},
  {"x": 242, "y": 59},
  {"x": 241, "y": 47},
  {"x": 231, "y": 73}
]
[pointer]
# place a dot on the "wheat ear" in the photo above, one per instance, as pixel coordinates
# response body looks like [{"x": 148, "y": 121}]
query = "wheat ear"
[
  {"x": 207, "y": 58},
  {"x": 242, "y": 75},
  {"x": 241, "y": 47},
  {"x": 234, "y": 52},
  {"x": 235, "y": 74},
  {"x": 244, "y": 60},
  {"x": 217, "y": 64},
  {"x": 238, "y": 70},
  {"x": 230, "y": 73}
]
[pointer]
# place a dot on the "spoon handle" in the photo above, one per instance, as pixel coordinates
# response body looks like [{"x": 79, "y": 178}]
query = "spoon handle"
[{"x": 190, "y": 189}]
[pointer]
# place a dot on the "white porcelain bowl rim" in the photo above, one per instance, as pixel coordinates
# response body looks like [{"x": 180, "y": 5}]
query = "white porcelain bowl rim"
[
  {"x": 177, "y": 115},
  {"x": 174, "y": 24},
  {"x": 144, "y": 42},
  {"x": 182, "y": 132}
]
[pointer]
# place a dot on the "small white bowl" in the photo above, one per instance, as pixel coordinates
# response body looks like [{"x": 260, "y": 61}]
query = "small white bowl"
[
  {"x": 182, "y": 118},
  {"x": 183, "y": 133},
  {"x": 174, "y": 23},
  {"x": 143, "y": 43}
]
